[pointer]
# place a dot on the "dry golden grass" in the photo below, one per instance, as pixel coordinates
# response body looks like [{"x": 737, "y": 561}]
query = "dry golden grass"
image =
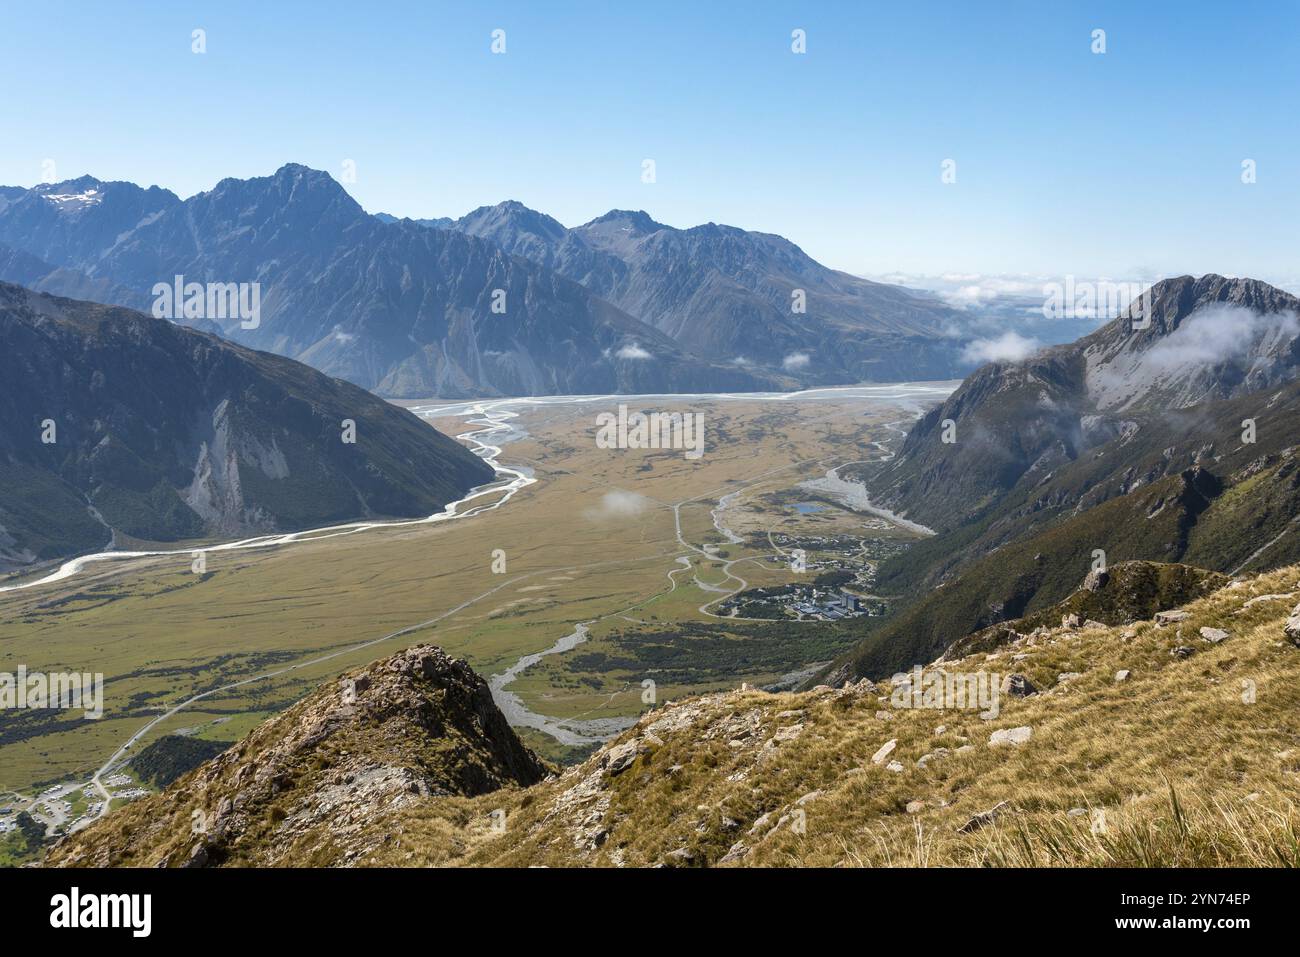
[{"x": 1190, "y": 762}]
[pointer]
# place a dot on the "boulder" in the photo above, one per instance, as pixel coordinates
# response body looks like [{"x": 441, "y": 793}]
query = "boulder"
[
  {"x": 1013, "y": 736},
  {"x": 1172, "y": 617},
  {"x": 620, "y": 757},
  {"x": 885, "y": 750},
  {"x": 927, "y": 758},
  {"x": 1292, "y": 627},
  {"x": 788, "y": 733},
  {"x": 1018, "y": 686},
  {"x": 982, "y": 819},
  {"x": 1121, "y": 676},
  {"x": 1213, "y": 635}
]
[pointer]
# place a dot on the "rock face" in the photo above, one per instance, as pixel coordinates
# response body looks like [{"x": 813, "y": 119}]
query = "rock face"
[
  {"x": 113, "y": 422},
  {"x": 321, "y": 774}
]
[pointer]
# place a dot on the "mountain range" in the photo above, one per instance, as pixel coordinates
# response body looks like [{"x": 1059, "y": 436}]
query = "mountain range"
[
  {"x": 1169, "y": 434},
  {"x": 118, "y": 427},
  {"x": 727, "y": 294},
  {"x": 504, "y": 301}
]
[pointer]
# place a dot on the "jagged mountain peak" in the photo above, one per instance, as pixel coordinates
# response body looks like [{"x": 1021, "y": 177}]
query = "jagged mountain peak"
[
  {"x": 1171, "y": 300},
  {"x": 1195, "y": 340},
  {"x": 637, "y": 221},
  {"x": 291, "y": 186},
  {"x": 513, "y": 216},
  {"x": 1192, "y": 339}
]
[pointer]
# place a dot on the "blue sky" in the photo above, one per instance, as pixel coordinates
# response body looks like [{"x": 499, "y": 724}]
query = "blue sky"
[{"x": 1121, "y": 164}]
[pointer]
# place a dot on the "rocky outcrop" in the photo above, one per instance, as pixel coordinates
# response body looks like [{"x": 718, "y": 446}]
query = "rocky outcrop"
[{"x": 315, "y": 779}]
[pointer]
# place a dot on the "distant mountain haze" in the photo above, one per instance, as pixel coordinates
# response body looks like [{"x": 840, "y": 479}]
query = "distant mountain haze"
[{"x": 504, "y": 301}]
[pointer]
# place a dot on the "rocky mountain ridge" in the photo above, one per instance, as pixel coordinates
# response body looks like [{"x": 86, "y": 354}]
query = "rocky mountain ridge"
[
  {"x": 738, "y": 296},
  {"x": 394, "y": 307},
  {"x": 1044, "y": 472},
  {"x": 503, "y": 301}
]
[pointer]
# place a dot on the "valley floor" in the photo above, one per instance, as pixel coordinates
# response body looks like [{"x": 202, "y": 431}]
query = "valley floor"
[{"x": 648, "y": 561}]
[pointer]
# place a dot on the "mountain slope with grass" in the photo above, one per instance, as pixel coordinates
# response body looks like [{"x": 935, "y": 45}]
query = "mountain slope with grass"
[
  {"x": 118, "y": 427},
  {"x": 1016, "y": 424},
  {"x": 1160, "y": 743},
  {"x": 1042, "y": 480}
]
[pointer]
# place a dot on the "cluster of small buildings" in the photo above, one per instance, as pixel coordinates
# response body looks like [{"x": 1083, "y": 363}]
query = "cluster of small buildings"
[
  {"x": 799, "y": 601},
  {"x": 829, "y": 605}
]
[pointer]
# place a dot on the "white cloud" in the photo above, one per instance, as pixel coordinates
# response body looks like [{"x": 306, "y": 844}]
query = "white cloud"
[
  {"x": 633, "y": 351},
  {"x": 1008, "y": 347},
  {"x": 618, "y": 505},
  {"x": 796, "y": 360},
  {"x": 1215, "y": 336}
]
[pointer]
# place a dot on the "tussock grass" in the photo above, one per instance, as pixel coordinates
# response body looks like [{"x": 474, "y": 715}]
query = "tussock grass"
[{"x": 1190, "y": 762}]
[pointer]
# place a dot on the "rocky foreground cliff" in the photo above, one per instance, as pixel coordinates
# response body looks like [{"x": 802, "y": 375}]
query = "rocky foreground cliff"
[{"x": 1168, "y": 741}]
